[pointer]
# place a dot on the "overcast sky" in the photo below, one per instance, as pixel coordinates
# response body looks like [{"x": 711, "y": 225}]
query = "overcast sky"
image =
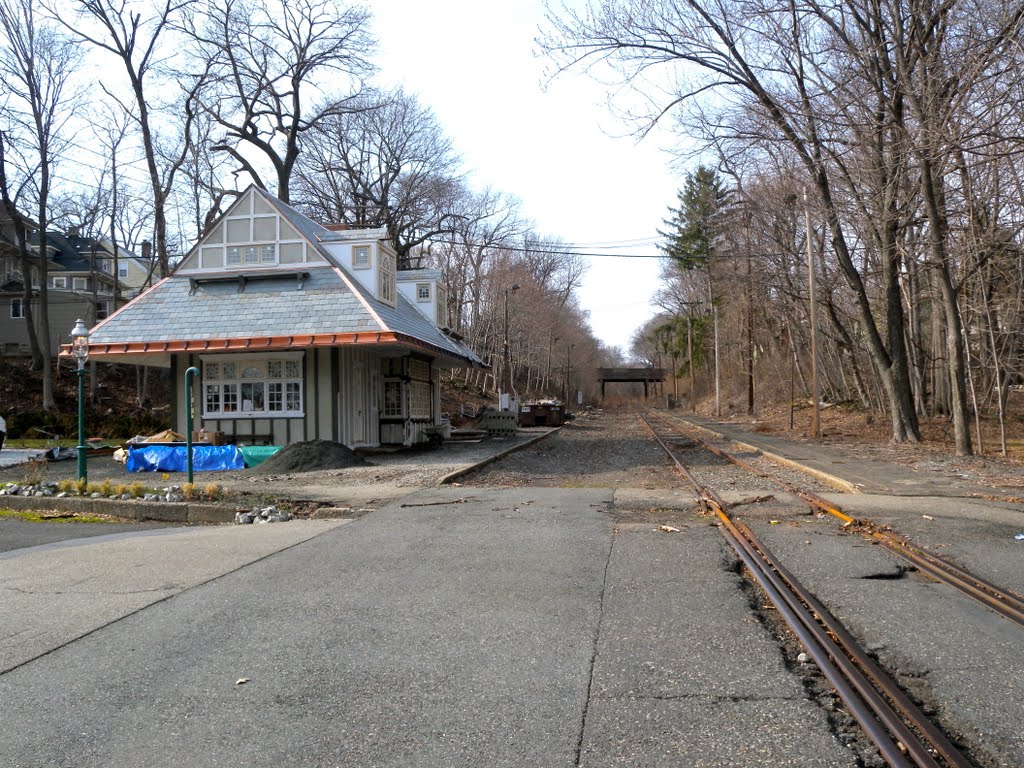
[{"x": 559, "y": 150}]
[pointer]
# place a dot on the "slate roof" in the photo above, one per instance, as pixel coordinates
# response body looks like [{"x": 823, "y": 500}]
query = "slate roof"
[
  {"x": 216, "y": 306},
  {"x": 173, "y": 309},
  {"x": 74, "y": 253}
]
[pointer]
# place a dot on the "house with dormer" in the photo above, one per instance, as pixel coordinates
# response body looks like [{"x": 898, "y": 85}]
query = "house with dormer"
[
  {"x": 299, "y": 332},
  {"x": 80, "y": 284}
]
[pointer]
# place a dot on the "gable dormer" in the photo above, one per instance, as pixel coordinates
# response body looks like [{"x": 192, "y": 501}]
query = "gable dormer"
[
  {"x": 425, "y": 291},
  {"x": 251, "y": 235},
  {"x": 368, "y": 256}
]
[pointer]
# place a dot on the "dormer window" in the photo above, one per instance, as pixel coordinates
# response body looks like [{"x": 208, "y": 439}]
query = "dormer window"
[
  {"x": 386, "y": 279},
  {"x": 441, "y": 308},
  {"x": 422, "y": 291},
  {"x": 239, "y": 255},
  {"x": 361, "y": 257}
]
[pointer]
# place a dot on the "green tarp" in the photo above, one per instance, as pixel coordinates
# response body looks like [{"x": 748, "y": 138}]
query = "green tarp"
[{"x": 257, "y": 454}]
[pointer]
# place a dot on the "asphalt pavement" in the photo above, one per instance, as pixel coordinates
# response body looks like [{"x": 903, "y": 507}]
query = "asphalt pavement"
[
  {"x": 460, "y": 627},
  {"x": 466, "y": 626}
]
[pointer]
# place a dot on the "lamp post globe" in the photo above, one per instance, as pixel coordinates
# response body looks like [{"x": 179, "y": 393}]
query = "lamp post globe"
[{"x": 80, "y": 351}]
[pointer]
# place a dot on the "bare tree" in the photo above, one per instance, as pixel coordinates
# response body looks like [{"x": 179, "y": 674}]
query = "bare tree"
[
  {"x": 270, "y": 64},
  {"x": 36, "y": 63},
  {"x": 387, "y": 163},
  {"x": 137, "y": 41}
]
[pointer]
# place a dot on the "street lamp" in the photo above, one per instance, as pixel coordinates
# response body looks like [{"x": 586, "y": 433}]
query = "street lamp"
[
  {"x": 508, "y": 357},
  {"x": 80, "y": 350}
]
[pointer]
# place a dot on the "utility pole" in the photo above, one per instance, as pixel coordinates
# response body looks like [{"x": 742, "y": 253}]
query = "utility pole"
[
  {"x": 508, "y": 357},
  {"x": 552, "y": 340},
  {"x": 568, "y": 367},
  {"x": 815, "y": 393}
]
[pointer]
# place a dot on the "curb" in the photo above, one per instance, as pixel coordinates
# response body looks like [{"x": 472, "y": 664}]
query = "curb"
[
  {"x": 455, "y": 475},
  {"x": 840, "y": 484},
  {"x": 167, "y": 512}
]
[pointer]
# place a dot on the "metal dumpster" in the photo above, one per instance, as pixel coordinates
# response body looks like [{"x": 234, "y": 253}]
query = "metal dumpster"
[{"x": 543, "y": 413}]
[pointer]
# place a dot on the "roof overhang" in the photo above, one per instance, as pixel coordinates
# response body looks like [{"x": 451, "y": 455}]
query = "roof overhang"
[{"x": 158, "y": 353}]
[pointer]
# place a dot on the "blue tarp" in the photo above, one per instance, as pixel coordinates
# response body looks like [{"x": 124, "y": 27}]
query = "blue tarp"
[{"x": 174, "y": 458}]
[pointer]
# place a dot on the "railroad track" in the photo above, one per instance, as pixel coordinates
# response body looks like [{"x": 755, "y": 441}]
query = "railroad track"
[
  {"x": 1003, "y": 602},
  {"x": 904, "y": 736}
]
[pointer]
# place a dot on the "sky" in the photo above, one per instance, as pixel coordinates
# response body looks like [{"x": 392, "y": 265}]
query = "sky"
[{"x": 557, "y": 148}]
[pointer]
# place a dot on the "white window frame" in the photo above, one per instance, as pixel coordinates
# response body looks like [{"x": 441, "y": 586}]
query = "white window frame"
[
  {"x": 262, "y": 254},
  {"x": 361, "y": 257},
  {"x": 80, "y": 283},
  {"x": 421, "y": 398},
  {"x": 17, "y": 309},
  {"x": 59, "y": 282},
  {"x": 386, "y": 281},
  {"x": 224, "y": 381},
  {"x": 390, "y": 408},
  {"x": 441, "y": 307},
  {"x": 423, "y": 292},
  {"x": 122, "y": 271}
]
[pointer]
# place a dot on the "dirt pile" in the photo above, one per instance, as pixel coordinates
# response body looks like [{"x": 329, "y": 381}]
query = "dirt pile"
[{"x": 310, "y": 456}]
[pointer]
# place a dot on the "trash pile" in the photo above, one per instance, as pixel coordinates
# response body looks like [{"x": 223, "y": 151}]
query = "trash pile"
[{"x": 269, "y": 514}]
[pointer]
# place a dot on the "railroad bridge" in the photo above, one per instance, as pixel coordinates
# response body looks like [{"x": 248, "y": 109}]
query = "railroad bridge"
[{"x": 632, "y": 375}]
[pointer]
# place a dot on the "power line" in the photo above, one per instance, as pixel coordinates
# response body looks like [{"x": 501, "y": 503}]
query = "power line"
[{"x": 570, "y": 250}]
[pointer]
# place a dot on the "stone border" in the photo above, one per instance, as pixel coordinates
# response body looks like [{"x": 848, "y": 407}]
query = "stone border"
[
  {"x": 456, "y": 474},
  {"x": 161, "y": 511}
]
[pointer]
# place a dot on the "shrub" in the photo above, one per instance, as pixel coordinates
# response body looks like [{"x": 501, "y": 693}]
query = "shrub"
[
  {"x": 137, "y": 490},
  {"x": 34, "y": 472},
  {"x": 188, "y": 490},
  {"x": 212, "y": 491}
]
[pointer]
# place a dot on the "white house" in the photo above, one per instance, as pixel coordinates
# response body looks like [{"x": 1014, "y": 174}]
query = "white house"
[{"x": 299, "y": 332}]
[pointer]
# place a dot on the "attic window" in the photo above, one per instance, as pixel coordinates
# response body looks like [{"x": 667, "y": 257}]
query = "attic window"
[
  {"x": 422, "y": 291},
  {"x": 252, "y": 254},
  {"x": 361, "y": 257},
  {"x": 386, "y": 279},
  {"x": 441, "y": 307}
]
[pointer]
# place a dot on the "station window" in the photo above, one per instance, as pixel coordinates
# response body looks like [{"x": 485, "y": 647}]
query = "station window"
[{"x": 253, "y": 387}]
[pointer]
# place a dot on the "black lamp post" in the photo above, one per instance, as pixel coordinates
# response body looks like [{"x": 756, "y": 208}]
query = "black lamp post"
[{"x": 80, "y": 350}]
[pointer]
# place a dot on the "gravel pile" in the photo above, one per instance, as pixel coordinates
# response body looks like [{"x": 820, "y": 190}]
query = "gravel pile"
[{"x": 310, "y": 456}]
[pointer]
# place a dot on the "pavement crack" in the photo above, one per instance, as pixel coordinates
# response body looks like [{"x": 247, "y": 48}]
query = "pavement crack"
[{"x": 593, "y": 656}]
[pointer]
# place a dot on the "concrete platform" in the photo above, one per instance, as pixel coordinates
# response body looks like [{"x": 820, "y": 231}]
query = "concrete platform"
[{"x": 849, "y": 473}]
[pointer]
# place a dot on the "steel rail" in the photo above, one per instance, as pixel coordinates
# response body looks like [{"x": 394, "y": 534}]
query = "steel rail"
[
  {"x": 1003, "y": 602},
  {"x": 889, "y": 718}
]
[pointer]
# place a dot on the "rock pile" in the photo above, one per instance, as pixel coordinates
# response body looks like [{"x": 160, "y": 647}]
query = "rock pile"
[
  {"x": 40, "y": 489},
  {"x": 171, "y": 493},
  {"x": 269, "y": 514}
]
